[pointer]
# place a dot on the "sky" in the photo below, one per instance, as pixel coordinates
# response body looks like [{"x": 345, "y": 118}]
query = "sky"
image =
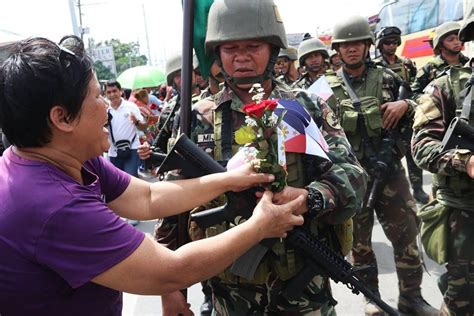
[{"x": 161, "y": 20}]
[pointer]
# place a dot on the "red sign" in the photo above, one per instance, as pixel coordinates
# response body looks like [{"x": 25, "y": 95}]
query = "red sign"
[{"x": 417, "y": 47}]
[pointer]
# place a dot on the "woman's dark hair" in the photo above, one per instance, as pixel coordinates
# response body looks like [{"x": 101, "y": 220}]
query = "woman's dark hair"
[{"x": 38, "y": 75}]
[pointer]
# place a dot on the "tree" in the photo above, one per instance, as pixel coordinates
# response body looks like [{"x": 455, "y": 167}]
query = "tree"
[
  {"x": 127, "y": 55},
  {"x": 103, "y": 72}
]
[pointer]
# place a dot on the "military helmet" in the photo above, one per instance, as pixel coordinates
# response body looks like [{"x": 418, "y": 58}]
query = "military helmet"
[
  {"x": 386, "y": 33},
  {"x": 289, "y": 52},
  {"x": 444, "y": 30},
  {"x": 466, "y": 33},
  {"x": 231, "y": 20},
  {"x": 309, "y": 46},
  {"x": 354, "y": 28},
  {"x": 174, "y": 64}
]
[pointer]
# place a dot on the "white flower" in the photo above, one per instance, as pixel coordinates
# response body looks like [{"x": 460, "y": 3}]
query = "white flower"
[{"x": 250, "y": 121}]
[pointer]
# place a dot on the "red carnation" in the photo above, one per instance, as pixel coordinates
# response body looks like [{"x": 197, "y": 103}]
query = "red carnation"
[{"x": 257, "y": 109}]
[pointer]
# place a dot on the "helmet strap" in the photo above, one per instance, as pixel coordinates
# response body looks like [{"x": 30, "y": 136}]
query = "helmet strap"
[{"x": 267, "y": 74}]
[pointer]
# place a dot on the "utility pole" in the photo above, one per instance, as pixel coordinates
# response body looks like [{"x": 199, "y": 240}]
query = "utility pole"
[
  {"x": 80, "y": 19},
  {"x": 72, "y": 10},
  {"x": 146, "y": 35}
]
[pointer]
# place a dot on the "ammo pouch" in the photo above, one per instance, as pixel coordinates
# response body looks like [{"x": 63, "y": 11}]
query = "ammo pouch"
[
  {"x": 435, "y": 230},
  {"x": 124, "y": 148},
  {"x": 353, "y": 125}
]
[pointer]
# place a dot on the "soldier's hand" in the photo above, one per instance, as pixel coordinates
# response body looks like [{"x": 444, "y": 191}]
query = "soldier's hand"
[
  {"x": 144, "y": 151},
  {"x": 470, "y": 167},
  {"x": 392, "y": 113},
  {"x": 274, "y": 221},
  {"x": 245, "y": 177},
  {"x": 290, "y": 193},
  {"x": 174, "y": 303}
]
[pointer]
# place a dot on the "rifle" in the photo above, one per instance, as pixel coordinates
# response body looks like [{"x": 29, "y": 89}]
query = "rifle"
[
  {"x": 459, "y": 133},
  {"x": 320, "y": 259},
  {"x": 385, "y": 158}
]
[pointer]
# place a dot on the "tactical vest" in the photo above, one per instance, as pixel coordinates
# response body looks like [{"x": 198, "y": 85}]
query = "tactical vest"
[
  {"x": 370, "y": 95},
  {"x": 280, "y": 259},
  {"x": 457, "y": 190},
  {"x": 400, "y": 69}
]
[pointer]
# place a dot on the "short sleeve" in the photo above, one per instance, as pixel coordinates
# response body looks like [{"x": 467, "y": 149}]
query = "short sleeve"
[
  {"x": 84, "y": 239},
  {"x": 113, "y": 181}
]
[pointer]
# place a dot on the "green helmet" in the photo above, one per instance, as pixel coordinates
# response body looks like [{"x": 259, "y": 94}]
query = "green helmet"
[
  {"x": 173, "y": 65},
  {"x": 466, "y": 33},
  {"x": 444, "y": 30},
  {"x": 231, "y": 20},
  {"x": 234, "y": 20},
  {"x": 355, "y": 28},
  {"x": 310, "y": 46},
  {"x": 289, "y": 52}
]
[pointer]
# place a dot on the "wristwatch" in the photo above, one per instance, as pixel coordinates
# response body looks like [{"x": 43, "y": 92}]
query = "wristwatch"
[{"x": 314, "y": 201}]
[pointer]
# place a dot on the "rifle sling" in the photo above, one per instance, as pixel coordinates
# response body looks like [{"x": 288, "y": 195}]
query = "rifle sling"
[{"x": 360, "y": 118}]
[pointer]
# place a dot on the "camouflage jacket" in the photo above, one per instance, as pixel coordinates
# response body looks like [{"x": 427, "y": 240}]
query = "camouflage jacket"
[
  {"x": 403, "y": 67},
  {"x": 430, "y": 71},
  {"x": 342, "y": 186},
  {"x": 436, "y": 108},
  {"x": 286, "y": 80},
  {"x": 304, "y": 82}
]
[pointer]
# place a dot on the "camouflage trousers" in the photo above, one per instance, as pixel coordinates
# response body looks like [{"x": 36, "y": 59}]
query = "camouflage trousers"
[
  {"x": 396, "y": 212},
  {"x": 268, "y": 299},
  {"x": 458, "y": 291}
]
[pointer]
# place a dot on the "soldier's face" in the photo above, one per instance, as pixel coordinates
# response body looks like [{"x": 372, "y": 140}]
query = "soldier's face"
[
  {"x": 352, "y": 52},
  {"x": 389, "y": 46},
  {"x": 282, "y": 65},
  {"x": 247, "y": 58},
  {"x": 452, "y": 43},
  {"x": 314, "y": 62}
]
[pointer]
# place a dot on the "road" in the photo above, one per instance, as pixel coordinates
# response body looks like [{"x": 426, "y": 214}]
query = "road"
[{"x": 348, "y": 303}]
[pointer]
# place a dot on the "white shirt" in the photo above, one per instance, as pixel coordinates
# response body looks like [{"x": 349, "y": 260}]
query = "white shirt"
[{"x": 123, "y": 126}]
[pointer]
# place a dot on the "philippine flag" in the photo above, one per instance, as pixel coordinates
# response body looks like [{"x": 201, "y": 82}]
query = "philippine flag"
[{"x": 298, "y": 132}]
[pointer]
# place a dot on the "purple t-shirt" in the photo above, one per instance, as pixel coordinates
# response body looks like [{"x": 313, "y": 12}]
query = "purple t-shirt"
[{"x": 57, "y": 234}]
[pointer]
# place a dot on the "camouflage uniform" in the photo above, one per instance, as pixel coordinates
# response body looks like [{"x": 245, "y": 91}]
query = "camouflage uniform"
[
  {"x": 406, "y": 69},
  {"x": 305, "y": 81},
  {"x": 455, "y": 189},
  {"x": 342, "y": 188},
  {"x": 431, "y": 70},
  {"x": 395, "y": 208}
]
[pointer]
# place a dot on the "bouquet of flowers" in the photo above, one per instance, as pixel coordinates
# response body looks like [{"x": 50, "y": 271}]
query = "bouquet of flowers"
[{"x": 259, "y": 136}]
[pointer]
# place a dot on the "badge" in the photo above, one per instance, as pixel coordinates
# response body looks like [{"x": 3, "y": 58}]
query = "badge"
[
  {"x": 205, "y": 138},
  {"x": 332, "y": 120}
]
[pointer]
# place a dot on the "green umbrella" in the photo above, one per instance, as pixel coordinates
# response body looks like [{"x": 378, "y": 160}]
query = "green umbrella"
[{"x": 141, "y": 77}]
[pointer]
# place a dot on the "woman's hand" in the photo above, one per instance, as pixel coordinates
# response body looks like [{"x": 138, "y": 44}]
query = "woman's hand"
[
  {"x": 144, "y": 151},
  {"x": 274, "y": 221},
  {"x": 244, "y": 177}
]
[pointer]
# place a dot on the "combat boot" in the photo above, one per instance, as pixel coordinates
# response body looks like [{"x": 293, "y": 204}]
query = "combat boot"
[
  {"x": 372, "y": 309},
  {"x": 420, "y": 196},
  {"x": 415, "y": 305},
  {"x": 206, "y": 306}
]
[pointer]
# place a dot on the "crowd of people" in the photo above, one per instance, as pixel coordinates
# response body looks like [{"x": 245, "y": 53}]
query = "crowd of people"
[{"x": 78, "y": 254}]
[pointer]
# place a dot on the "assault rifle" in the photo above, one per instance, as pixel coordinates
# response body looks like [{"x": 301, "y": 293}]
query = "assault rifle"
[
  {"x": 459, "y": 133},
  {"x": 320, "y": 259},
  {"x": 386, "y": 156}
]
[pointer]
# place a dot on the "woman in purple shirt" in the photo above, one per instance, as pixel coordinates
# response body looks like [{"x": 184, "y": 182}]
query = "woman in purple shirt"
[{"x": 63, "y": 248}]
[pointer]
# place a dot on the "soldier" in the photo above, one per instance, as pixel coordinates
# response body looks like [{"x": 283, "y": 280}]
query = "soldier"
[
  {"x": 285, "y": 69},
  {"x": 387, "y": 41},
  {"x": 447, "y": 48},
  {"x": 453, "y": 170},
  {"x": 311, "y": 54},
  {"x": 334, "y": 60},
  {"x": 333, "y": 193},
  {"x": 366, "y": 117}
]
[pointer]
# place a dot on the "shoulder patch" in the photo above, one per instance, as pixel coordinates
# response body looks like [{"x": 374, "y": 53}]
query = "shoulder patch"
[
  {"x": 331, "y": 118},
  {"x": 426, "y": 111}
]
